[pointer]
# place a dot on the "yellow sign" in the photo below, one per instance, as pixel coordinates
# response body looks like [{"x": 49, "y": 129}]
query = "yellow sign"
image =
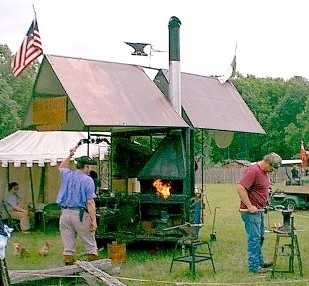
[
  {"x": 49, "y": 110},
  {"x": 49, "y": 127}
]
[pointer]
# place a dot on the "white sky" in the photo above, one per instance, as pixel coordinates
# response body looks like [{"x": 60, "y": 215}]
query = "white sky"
[{"x": 271, "y": 35}]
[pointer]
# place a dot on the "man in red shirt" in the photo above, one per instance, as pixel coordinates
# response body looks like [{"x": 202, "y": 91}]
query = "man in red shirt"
[{"x": 253, "y": 190}]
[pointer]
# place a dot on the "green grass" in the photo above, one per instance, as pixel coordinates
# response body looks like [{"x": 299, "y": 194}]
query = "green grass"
[{"x": 230, "y": 255}]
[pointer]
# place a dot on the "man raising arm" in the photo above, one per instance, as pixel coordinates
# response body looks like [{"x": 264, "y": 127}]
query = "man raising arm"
[{"x": 78, "y": 216}]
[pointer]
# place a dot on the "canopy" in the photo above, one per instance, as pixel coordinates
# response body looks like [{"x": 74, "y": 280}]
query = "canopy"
[{"x": 34, "y": 147}]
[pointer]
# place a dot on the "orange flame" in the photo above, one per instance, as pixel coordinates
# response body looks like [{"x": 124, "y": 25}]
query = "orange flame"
[{"x": 162, "y": 189}]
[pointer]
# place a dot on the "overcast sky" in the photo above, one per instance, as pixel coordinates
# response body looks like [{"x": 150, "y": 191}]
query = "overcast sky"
[{"x": 271, "y": 35}]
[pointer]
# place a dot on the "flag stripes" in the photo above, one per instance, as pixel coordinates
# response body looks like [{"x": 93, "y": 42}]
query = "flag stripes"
[{"x": 31, "y": 49}]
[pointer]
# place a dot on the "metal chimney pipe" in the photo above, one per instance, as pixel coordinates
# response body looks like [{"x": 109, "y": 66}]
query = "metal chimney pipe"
[{"x": 174, "y": 64}]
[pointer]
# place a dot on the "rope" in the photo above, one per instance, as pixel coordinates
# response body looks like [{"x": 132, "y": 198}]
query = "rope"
[{"x": 214, "y": 283}]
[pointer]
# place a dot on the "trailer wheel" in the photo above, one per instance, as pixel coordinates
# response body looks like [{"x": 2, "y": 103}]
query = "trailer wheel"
[{"x": 290, "y": 205}]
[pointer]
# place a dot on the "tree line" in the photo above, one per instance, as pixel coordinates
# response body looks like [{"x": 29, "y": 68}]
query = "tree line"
[
  {"x": 281, "y": 106},
  {"x": 15, "y": 93}
]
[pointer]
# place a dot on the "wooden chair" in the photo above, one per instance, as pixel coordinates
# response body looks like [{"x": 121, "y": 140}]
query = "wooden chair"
[
  {"x": 50, "y": 211},
  {"x": 7, "y": 218}
]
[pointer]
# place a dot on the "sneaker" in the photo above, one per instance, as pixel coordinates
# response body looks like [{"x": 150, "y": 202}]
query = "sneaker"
[{"x": 267, "y": 264}]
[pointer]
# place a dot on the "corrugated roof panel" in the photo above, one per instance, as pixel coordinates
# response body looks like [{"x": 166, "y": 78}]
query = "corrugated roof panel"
[
  {"x": 212, "y": 105},
  {"x": 113, "y": 94}
]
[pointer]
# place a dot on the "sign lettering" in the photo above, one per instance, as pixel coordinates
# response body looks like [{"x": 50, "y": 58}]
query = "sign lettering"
[{"x": 49, "y": 110}]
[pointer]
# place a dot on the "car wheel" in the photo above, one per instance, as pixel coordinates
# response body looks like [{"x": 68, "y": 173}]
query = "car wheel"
[{"x": 290, "y": 205}]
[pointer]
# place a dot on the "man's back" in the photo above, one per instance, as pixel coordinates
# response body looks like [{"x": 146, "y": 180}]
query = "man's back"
[{"x": 75, "y": 189}]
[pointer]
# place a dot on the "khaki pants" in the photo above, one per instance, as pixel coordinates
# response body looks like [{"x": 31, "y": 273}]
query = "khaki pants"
[
  {"x": 22, "y": 217},
  {"x": 71, "y": 226}
]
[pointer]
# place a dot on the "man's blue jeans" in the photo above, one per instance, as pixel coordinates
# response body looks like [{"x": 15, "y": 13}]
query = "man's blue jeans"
[{"x": 255, "y": 229}]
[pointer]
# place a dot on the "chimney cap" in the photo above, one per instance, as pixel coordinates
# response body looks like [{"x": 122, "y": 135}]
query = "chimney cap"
[{"x": 174, "y": 22}]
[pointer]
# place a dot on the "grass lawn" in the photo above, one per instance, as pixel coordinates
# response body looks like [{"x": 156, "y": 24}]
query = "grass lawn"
[{"x": 144, "y": 268}]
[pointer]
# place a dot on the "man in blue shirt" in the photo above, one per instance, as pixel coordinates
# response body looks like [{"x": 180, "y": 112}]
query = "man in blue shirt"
[{"x": 78, "y": 216}]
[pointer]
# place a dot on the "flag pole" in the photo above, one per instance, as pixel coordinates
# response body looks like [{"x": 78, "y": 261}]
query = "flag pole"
[
  {"x": 231, "y": 71},
  {"x": 235, "y": 49},
  {"x": 34, "y": 13}
]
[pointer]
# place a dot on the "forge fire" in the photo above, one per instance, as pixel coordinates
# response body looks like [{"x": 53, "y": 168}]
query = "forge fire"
[{"x": 163, "y": 190}]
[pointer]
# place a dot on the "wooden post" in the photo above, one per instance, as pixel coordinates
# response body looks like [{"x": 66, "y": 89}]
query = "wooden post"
[{"x": 4, "y": 275}]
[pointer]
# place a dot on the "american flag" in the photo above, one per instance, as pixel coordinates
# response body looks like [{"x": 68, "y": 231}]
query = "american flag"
[{"x": 31, "y": 48}]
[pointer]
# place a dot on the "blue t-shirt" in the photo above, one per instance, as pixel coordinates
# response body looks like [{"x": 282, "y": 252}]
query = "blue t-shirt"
[
  {"x": 11, "y": 201},
  {"x": 76, "y": 188}
]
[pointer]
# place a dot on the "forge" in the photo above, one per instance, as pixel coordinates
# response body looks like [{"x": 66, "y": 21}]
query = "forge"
[{"x": 159, "y": 198}]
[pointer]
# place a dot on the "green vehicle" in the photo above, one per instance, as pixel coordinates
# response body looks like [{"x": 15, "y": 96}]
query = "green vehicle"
[{"x": 295, "y": 194}]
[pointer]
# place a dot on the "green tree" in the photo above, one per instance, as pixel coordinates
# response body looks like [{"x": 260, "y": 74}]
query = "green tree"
[
  {"x": 280, "y": 107},
  {"x": 15, "y": 93}
]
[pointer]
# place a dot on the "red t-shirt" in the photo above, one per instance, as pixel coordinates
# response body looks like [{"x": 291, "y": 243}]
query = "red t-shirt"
[{"x": 257, "y": 183}]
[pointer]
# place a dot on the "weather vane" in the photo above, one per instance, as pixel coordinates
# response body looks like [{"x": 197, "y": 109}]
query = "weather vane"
[{"x": 139, "y": 50}]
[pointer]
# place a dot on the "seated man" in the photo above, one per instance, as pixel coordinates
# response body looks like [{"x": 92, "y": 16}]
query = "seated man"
[
  {"x": 12, "y": 202},
  {"x": 295, "y": 176},
  {"x": 294, "y": 172}
]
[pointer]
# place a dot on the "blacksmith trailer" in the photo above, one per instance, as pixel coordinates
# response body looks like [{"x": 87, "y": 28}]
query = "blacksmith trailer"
[{"x": 150, "y": 170}]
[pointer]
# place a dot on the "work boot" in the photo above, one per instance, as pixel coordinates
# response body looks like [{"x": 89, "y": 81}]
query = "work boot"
[
  {"x": 68, "y": 259},
  {"x": 92, "y": 257},
  {"x": 267, "y": 264}
]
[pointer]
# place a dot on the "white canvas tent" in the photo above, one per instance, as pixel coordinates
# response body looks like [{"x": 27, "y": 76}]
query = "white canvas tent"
[{"x": 31, "y": 158}]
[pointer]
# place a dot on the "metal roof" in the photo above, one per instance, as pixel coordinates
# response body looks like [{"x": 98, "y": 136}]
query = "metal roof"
[
  {"x": 105, "y": 93},
  {"x": 110, "y": 95},
  {"x": 212, "y": 105}
]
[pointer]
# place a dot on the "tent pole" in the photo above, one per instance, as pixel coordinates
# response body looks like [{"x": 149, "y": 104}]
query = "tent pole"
[
  {"x": 42, "y": 184},
  {"x": 100, "y": 171},
  {"x": 8, "y": 174},
  {"x": 202, "y": 160},
  {"x": 32, "y": 192},
  {"x": 88, "y": 141}
]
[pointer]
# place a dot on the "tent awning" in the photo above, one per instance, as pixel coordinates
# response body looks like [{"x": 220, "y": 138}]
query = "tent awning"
[{"x": 33, "y": 147}]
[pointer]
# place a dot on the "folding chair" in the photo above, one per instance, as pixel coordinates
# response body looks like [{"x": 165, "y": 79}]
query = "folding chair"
[
  {"x": 7, "y": 218},
  {"x": 50, "y": 211}
]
